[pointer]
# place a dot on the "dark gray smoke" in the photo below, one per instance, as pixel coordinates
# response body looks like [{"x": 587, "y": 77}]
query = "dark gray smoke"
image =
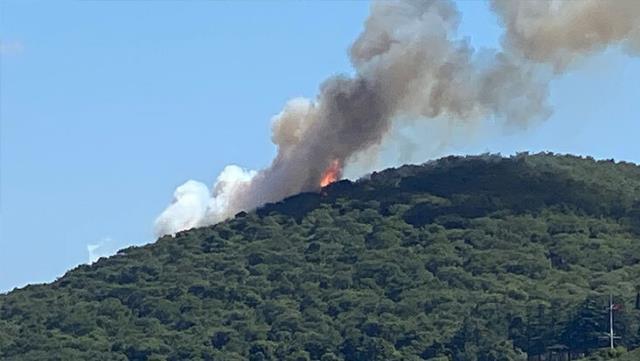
[{"x": 410, "y": 64}]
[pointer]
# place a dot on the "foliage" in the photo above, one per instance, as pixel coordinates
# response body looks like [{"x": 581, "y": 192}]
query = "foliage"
[{"x": 467, "y": 259}]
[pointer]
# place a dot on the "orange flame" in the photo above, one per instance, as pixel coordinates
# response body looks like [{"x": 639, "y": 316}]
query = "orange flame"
[{"x": 331, "y": 174}]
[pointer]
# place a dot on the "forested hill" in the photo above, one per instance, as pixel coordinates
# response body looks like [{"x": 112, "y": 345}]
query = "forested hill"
[{"x": 468, "y": 259}]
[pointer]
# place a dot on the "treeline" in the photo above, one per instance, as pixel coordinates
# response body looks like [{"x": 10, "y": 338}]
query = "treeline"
[{"x": 467, "y": 259}]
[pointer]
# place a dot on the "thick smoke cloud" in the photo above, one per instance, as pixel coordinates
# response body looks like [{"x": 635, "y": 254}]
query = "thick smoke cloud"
[
  {"x": 410, "y": 64},
  {"x": 559, "y": 32},
  {"x": 193, "y": 205}
]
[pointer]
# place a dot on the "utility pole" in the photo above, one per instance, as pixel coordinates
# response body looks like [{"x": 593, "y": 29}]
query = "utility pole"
[{"x": 611, "y": 321}]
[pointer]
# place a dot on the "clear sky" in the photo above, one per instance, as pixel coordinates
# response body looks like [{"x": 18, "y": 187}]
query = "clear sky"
[{"x": 107, "y": 106}]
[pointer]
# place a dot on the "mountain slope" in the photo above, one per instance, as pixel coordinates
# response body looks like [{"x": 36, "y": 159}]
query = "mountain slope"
[{"x": 476, "y": 258}]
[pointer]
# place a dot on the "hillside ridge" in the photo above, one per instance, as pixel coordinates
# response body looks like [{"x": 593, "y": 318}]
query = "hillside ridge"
[{"x": 462, "y": 258}]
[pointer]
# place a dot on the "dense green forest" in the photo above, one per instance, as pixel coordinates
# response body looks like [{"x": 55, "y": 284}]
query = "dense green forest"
[{"x": 465, "y": 258}]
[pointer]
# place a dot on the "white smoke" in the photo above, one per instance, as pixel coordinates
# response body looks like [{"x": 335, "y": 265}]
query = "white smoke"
[
  {"x": 194, "y": 205},
  {"x": 104, "y": 248},
  {"x": 232, "y": 180},
  {"x": 187, "y": 209},
  {"x": 410, "y": 64}
]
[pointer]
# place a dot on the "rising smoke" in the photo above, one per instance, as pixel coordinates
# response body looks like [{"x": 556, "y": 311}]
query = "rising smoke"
[{"x": 410, "y": 64}]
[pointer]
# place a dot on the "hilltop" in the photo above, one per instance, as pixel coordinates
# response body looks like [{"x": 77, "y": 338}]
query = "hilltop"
[{"x": 479, "y": 258}]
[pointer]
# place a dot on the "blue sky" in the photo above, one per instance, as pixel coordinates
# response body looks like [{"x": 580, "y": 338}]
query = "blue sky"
[{"x": 107, "y": 106}]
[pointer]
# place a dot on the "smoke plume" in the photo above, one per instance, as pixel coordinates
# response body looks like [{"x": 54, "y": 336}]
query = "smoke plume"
[
  {"x": 559, "y": 32},
  {"x": 410, "y": 64}
]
